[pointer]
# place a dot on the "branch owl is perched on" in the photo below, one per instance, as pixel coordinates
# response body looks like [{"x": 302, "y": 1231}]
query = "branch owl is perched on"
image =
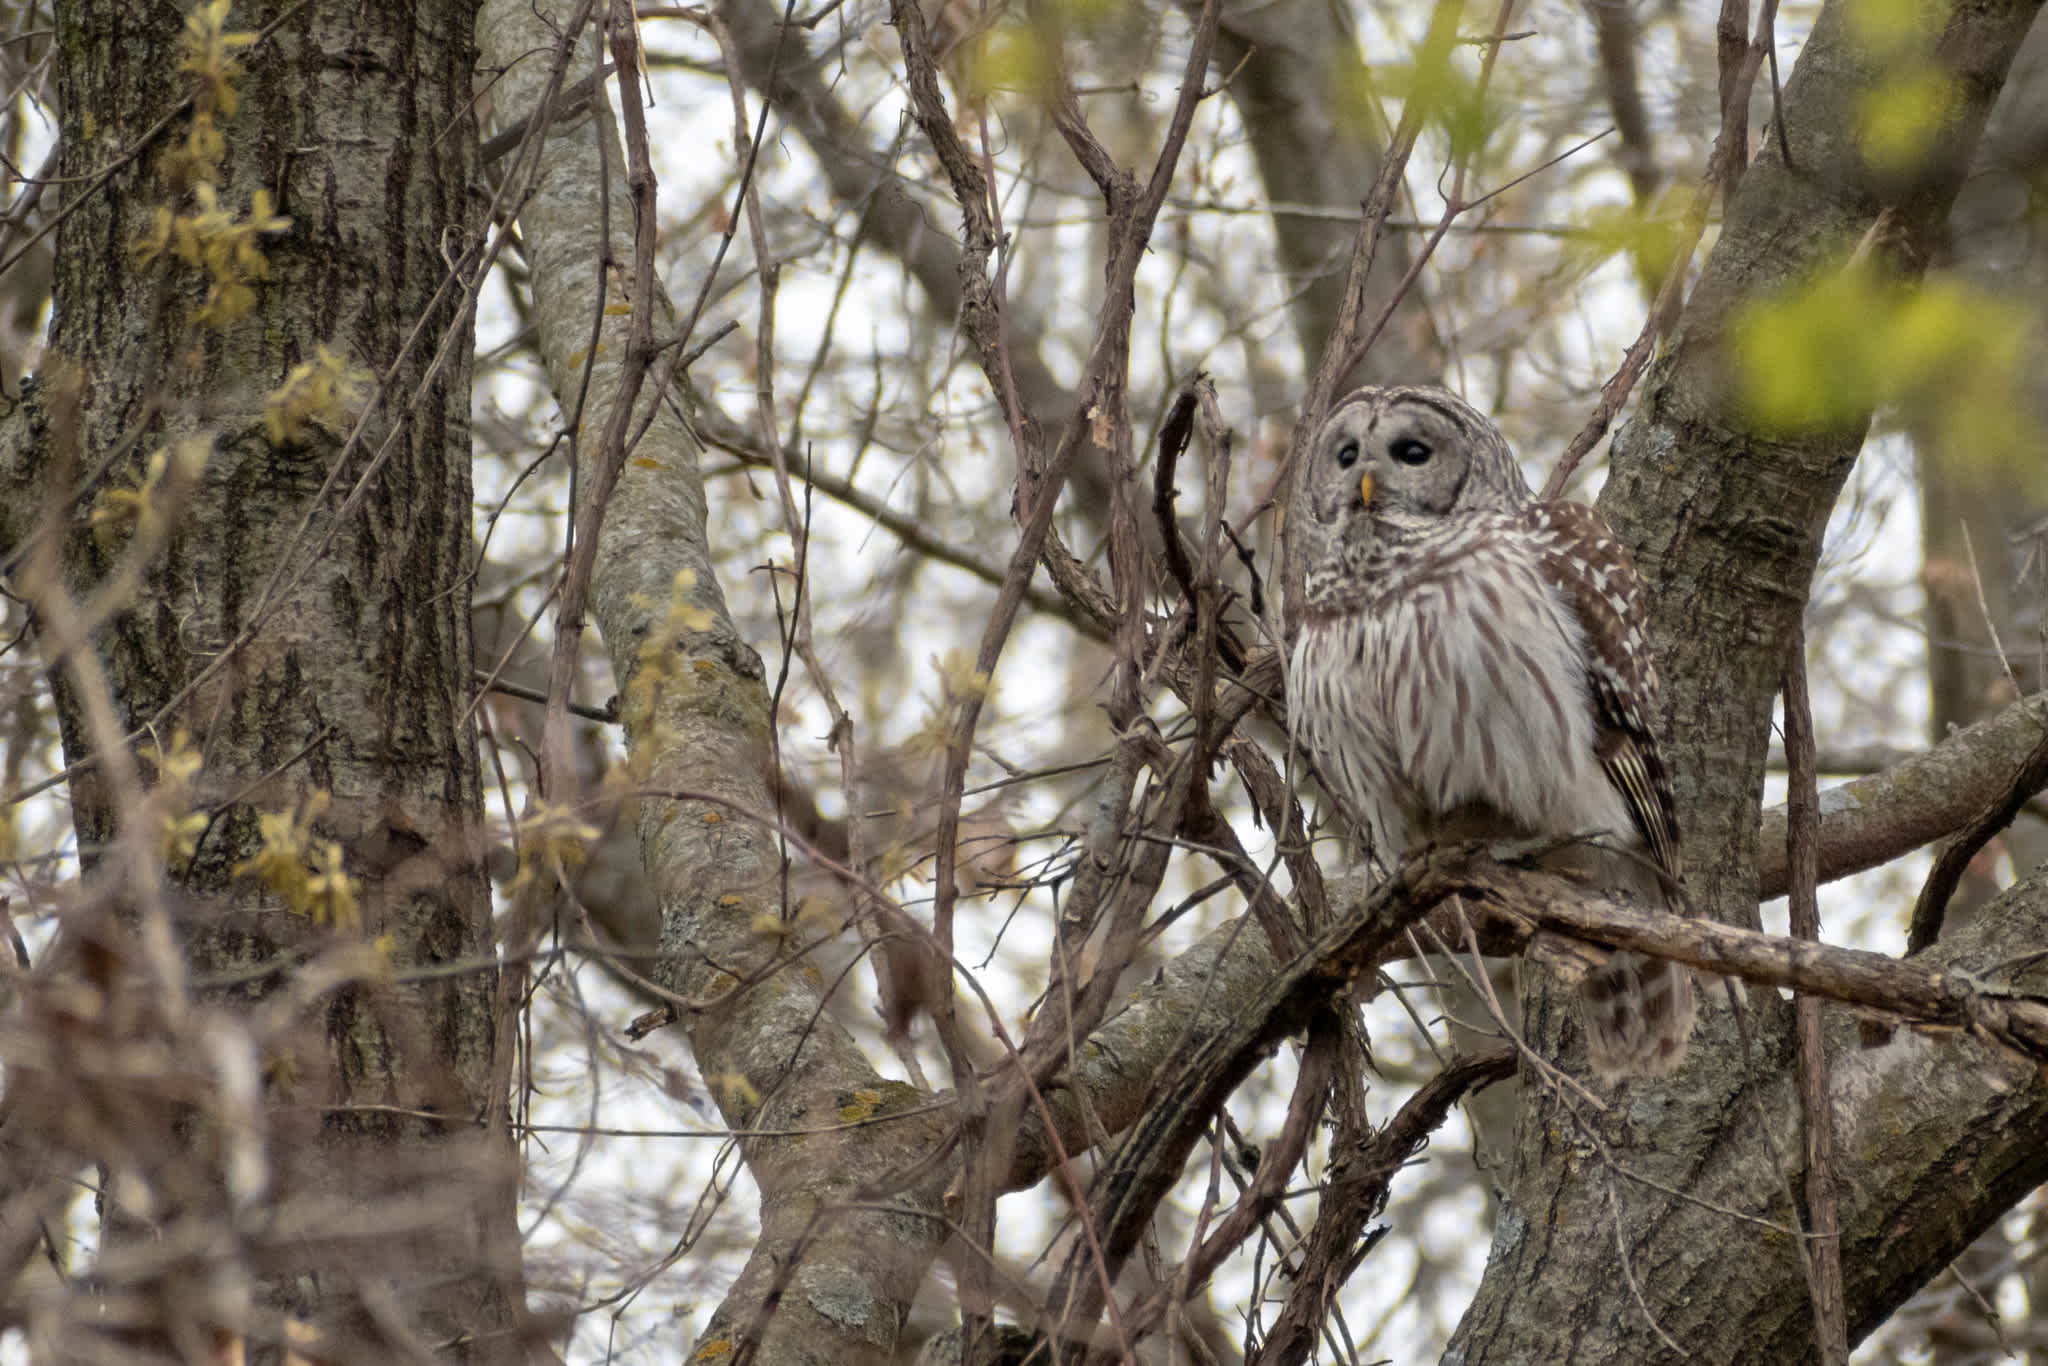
[{"x": 1472, "y": 665}]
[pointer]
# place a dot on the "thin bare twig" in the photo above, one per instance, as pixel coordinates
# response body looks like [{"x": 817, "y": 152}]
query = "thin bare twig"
[
  {"x": 573, "y": 100},
  {"x": 1361, "y": 1176},
  {"x": 1628, "y": 1269},
  {"x": 1173, "y": 440},
  {"x": 1276, "y": 1163},
  {"x": 1664, "y": 310},
  {"x": 1823, "y": 1250},
  {"x": 1379, "y": 203}
]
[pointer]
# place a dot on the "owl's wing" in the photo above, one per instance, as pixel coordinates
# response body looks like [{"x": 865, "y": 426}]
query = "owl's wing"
[{"x": 1597, "y": 578}]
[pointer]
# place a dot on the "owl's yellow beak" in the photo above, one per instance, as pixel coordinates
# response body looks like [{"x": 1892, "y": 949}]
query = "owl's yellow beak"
[{"x": 1365, "y": 487}]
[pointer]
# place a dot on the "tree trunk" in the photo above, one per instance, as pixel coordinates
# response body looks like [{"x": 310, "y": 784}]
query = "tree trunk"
[
  {"x": 1604, "y": 1251},
  {"x": 836, "y": 1150},
  {"x": 306, "y": 621}
]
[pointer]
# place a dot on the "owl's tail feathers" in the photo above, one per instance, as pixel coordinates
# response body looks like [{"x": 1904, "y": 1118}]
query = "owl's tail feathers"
[{"x": 1639, "y": 1013}]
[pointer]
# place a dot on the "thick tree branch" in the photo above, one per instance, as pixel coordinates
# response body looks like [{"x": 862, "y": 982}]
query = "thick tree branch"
[
  {"x": 1871, "y": 821},
  {"x": 1917, "y": 991},
  {"x": 1995, "y": 812},
  {"x": 694, "y": 701},
  {"x": 1614, "y": 36}
]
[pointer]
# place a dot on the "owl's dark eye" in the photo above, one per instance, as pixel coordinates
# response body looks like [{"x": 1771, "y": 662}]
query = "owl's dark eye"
[
  {"x": 1347, "y": 455},
  {"x": 1409, "y": 451}
]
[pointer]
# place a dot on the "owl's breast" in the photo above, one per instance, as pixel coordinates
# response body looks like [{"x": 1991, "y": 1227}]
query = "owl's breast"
[{"x": 1456, "y": 705}]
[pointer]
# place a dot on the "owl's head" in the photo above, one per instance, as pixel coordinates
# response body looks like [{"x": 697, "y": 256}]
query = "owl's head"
[{"x": 1387, "y": 467}]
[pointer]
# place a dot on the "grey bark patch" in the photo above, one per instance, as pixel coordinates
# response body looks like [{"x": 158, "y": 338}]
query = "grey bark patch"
[
  {"x": 838, "y": 1294},
  {"x": 1509, "y": 1230},
  {"x": 1839, "y": 799}
]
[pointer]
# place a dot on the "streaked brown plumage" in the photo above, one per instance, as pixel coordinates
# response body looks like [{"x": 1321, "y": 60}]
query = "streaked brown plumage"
[{"x": 1472, "y": 663}]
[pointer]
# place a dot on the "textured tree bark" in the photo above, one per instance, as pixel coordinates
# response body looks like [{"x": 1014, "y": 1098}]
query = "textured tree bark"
[
  {"x": 305, "y": 642},
  {"x": 1589, "y": 1263}
]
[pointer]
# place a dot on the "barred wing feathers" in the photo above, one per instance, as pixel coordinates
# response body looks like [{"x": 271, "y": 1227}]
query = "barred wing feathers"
[{"x": 1597, "y": 577}]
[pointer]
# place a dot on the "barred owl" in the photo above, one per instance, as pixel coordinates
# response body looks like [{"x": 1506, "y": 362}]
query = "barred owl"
[{"x": 1472, "y": 665}]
